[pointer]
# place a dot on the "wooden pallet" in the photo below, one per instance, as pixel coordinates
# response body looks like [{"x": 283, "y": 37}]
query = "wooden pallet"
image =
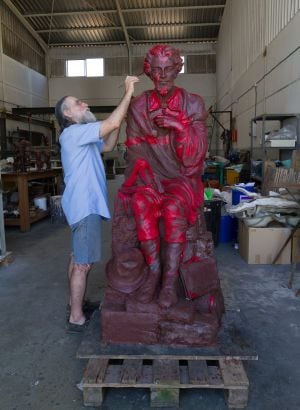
[
  {"x": 164, "y": 369},
  {"x": 165, "y": 378}
]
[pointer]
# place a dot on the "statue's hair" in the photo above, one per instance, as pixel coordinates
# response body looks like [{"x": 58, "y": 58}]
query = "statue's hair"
[
  {"x": 162, "y": 50},
  {"x": 61, "y": 105}
]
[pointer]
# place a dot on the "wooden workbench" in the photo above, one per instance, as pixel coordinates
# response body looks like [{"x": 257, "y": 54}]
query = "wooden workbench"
[{"x": 22, "y": 179}]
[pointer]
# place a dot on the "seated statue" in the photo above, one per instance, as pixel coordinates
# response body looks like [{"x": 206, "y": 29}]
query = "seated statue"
[{"x": 159, "y": 231}]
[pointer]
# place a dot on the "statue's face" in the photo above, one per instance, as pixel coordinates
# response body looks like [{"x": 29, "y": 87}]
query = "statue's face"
[{"x": 163, "y": 74}]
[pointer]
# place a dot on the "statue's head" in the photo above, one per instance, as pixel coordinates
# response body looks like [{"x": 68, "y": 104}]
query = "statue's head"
[{"x": 162, "y": 64}]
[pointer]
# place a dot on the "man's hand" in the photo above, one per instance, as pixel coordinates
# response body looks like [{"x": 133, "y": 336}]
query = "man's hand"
[
  {"x": 115, "y": 119},
  {"x": 129, "y": 84}
]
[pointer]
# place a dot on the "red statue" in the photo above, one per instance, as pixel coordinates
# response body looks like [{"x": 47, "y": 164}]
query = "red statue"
[{"x": 158, "y": 226}]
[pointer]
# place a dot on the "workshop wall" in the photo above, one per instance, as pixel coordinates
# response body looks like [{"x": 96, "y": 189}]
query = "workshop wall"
[
  {"x": 22, "y": 86},
  {"x": 258, "y": 59}
]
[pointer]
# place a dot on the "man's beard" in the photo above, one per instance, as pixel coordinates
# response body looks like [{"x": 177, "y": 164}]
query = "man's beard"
[{"x": 87, "y": 117}]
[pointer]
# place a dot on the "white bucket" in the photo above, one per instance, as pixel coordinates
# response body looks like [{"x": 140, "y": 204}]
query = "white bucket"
[{"x": 41, "y": 202}]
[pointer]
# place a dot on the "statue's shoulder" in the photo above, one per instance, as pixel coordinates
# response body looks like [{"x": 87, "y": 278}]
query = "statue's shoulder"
[
  {"x": 192, "y": 97},
  {"x": 139, "y": 100},
  {"x": 194, "y": 103}
]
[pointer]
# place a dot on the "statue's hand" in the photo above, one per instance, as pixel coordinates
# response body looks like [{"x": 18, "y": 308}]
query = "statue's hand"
[{"x": 169, "y": 122}]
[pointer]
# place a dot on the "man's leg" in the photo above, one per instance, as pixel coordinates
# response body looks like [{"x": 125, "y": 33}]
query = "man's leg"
[
  {"x": 86, "y": 246},
  {"x": 70, "y": 270},
  {"x": 78, "y": 281}
]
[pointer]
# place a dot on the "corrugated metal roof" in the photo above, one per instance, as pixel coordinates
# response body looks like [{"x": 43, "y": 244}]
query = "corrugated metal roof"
[{"x": 87, "y": 22}]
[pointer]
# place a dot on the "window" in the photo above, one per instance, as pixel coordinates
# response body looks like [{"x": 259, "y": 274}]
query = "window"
[
  {"x": 75, "y": 68},
  {"x": 94, "y": 67},
  {"x": 91, "y": 67},
  {"x": 183, "y": 67}
]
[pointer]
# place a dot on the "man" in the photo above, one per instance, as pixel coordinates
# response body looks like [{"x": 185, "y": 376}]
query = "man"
[
  {"x": 84, "y": 200},
  {"x": 166, "y": 146}
]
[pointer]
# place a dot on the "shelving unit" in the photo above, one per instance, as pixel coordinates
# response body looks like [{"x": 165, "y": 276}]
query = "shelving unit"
[
  {"x": 263, "y": 119},
  {"x": 22, "y": 179}
]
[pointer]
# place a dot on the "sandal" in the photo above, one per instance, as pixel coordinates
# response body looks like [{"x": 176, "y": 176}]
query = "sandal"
[{"x": 75, "y": 328}]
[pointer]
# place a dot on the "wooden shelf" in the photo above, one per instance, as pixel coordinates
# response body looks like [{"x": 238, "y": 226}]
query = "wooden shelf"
[
  {"x": 32, "y": 219},
  {"x": 22, "y": 179}
]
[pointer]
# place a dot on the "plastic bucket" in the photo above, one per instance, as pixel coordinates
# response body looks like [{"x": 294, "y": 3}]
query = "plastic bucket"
[
  {"x": 40, "y": 202},
  {"x": 227, "y": 225},
  {"x": 238, "y": 196}
]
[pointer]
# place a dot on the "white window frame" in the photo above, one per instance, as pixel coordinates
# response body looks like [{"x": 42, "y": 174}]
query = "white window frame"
[
  {"x": 101, "y": 67},
  {"x": 85, "y": 67},
  {"x": 69, "y": 63},
  {"x": 183, "y": 66}
]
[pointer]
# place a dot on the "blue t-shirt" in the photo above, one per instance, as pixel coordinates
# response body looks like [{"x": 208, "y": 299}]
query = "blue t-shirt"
[{"x": 85, "y": 180}]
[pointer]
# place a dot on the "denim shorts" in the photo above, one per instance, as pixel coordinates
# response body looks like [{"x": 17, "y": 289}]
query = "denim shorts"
[{"x": 86, "y": 240}]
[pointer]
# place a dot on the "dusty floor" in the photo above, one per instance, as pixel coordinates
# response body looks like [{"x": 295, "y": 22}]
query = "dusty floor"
[{"x": 39, "y": 368}]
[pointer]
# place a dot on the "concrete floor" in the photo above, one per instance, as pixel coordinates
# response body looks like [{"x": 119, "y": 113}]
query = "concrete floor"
[{"x": 39, "y": 368}]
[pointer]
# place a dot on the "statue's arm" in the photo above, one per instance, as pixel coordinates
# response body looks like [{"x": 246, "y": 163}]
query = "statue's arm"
[{"x": 191, "y": 142}]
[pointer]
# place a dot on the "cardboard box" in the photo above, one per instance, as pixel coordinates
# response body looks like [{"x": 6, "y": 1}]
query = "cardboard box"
[
  {"x": 261, "y": 245},
  {"x": 296, "y": 247}
]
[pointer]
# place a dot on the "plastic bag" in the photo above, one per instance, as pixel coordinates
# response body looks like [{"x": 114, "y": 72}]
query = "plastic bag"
[{"x": 287, "y": 132}]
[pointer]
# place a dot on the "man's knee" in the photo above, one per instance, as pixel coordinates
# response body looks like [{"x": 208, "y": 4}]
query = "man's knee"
[{"x": 81, "y": 268}]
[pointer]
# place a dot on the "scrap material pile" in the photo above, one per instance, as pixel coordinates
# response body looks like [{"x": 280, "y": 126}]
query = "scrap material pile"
[{"x": 281, "y": 207}]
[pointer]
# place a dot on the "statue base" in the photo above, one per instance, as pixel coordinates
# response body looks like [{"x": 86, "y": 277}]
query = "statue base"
[{"x": 187, "y": 323}]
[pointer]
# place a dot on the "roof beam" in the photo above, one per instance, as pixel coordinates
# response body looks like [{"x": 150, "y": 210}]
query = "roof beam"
[
  {"x": 134, "y": 10},
  {"x": 126, "y": 36},
  {"x": 156, "y": 40},
  {"x": 51, "y": 110},
  {"x": 62, "y": 29},
  {"x": 25, "y": 23}
]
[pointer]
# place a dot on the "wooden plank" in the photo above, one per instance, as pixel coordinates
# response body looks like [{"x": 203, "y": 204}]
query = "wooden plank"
[
  {"x": 164, "y": 398},
  {"x": 198, "y": 373},
  {"x": 95, "y": 371},
  {"x": 233, "y": 373},
  {"x": 92, "y": 396},
  {"x": 214, "y": 377},
  {"x": 113, "y": 375},
  {"x": 234, "y": 376},
  {"x": 146, "y": 376},
  {"x": 132, "y": 370},
  {"x": 166, "y": 372},
  {"x": 237, "y": 399},
  {"x": 6, "y": 259}
]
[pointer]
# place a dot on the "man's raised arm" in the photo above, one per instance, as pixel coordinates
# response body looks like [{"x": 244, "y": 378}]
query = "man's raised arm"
[{"x": 115, "y": 119}]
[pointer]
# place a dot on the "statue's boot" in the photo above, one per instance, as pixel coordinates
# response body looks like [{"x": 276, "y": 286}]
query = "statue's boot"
[
  {"x": 150, "y": 250},
  {"x": 168, "y": 294}
]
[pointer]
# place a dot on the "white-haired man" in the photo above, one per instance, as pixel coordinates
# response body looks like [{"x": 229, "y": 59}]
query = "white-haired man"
[{"x": 84, "y": 200}]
